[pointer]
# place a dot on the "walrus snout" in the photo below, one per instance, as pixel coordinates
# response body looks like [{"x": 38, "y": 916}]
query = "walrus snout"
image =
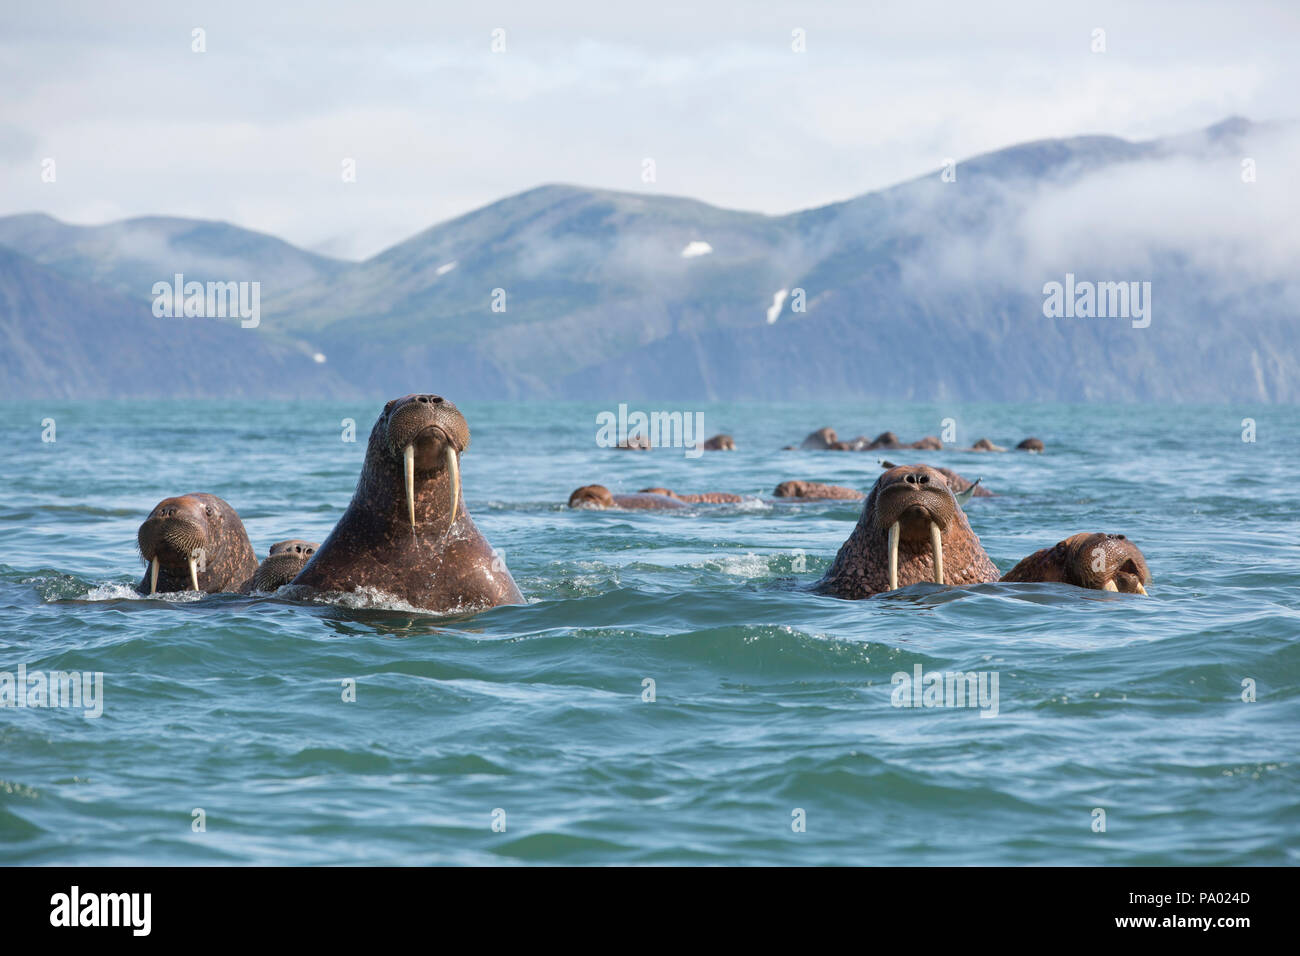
[
  {"x": 1107, "y": 562},
  {"x": 283, "y": 562},
  {"x": 428, "y": 433}
]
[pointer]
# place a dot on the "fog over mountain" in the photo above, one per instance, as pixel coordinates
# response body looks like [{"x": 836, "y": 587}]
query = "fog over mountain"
[{"x": 932, "y": 289}]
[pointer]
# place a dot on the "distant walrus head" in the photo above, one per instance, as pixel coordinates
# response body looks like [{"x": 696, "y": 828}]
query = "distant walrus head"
[
  {"x": 911, "y": 530},
  {"x": 598, "y": 496},
  {"x": 195, "y": 542},
  {"x": 591, "y": 496},
  {"x": 420, "y": 438},
  {"x": 1104, "y": 562},
  {"x": 1031, "y": 444},
  {"x": 286, "y": 559}
]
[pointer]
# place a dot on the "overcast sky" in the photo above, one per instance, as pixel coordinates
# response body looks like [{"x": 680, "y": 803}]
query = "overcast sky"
[{"x": 255, "y": 130}]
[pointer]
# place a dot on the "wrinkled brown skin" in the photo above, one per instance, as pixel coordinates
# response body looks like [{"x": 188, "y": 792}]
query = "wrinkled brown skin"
[
  {"x": 177, "y": 526},
  {"x": 1031, "y": 445},
  {"x": 720, "y": 443},
  {"x": 282, "y": 565},
  {"x": 916, "y": 494},
  {"x": 958, "y": 483},
  {"x": 437, "y": 565},
  {"x": 707, "y": 498},
  {"x": 815, "y": 490},
  {"x": 599, "y": 497},
  {"x": 1087, "y": 561}
]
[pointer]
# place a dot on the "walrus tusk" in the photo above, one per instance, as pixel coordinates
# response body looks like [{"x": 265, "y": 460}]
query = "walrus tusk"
[
  {"x": 893, "y": 556},
  {"x": 453, "y": 466},
  {"x": 936, "y": 548},
  {"x": 1110, "y": 586},
  {"x": 194, "y": 574},
  {"x": 409, "y": 454},
  {"x": 153, "y": 576},
  {"x": 1141, "y": 589}
]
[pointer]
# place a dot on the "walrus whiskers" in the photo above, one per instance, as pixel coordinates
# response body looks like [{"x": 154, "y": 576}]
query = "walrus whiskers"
[
  {"x": 893, "y": 556},
  {"x": 153, "y": 575},
  {"x": 936, "y": 547},
  {"x": 409, "y": 454},
  {"x": 453, "y": 466}
]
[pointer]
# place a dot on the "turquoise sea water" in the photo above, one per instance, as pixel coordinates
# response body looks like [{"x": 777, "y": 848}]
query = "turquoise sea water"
[{"x": 769, "y": 700}]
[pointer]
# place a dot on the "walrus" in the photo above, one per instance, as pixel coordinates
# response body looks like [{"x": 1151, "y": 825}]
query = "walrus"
[
  {"x": 706, "y": 498},
  {"x": 283, "y": 562},
  {"x": 598, "y": 496},
  {"x": 825, "y": 439},
  {"x": 1104, "y": 562},
  {"x": 720, "y": 443},
  {"x": 820, "y": 440},
  {"x": 406, "y": 531},
  {"x": 1031, "y": 445},
  {"x": 634, "y": 443},
  {"x": 912, "y": 530},
  {"x": 195, "y": 543},
  {"x": 985, "y": 445},
  {"x": 816, "y": 490}
]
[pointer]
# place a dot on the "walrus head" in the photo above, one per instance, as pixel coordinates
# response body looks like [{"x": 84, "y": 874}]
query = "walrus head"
[
  {"x": 591, "y": 496},
  {"x": 911, "y": 530},
  {"x": 286, "y": 559},
  {"x": 1103, "y": 562},
  {"x": 176, "y": 536},
  {"x": 423, "y": 436}
]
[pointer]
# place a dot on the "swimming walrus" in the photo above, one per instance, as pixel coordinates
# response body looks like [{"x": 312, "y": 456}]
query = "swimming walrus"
[
  {"x": 913, "y": 530},
  {"x": 720, "y": 443},
  {"x": 704, "y": 498},
  {"x": 406, "y": 532},
  {"x": 815, "y": 490},
  {"x": 285, "y": 560},
  {"x": 195, "y": 542},
  {"x": 600, "y": 497},
  {"x": 825, "y": 439}
]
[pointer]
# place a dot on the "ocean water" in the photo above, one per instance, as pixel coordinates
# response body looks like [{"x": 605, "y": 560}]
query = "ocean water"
[{"x": 523, "y": 734}]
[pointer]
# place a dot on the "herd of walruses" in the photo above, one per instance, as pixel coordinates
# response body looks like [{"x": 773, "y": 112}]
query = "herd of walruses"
[{"x": 406, "y": 534}]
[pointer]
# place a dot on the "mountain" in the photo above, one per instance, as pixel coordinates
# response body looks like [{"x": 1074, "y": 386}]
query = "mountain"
[
  {"x": 933, "y": 289},
  {"x": 130, "y": 256},
  {"x": 65, "y": 338}
]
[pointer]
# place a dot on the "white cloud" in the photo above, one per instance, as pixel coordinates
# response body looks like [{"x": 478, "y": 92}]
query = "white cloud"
[{"x": 253, "y": 131}]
